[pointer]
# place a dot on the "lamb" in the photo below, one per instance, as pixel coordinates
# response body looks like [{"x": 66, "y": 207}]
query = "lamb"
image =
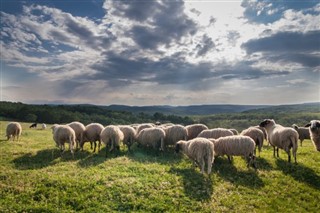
[
  {"x": 153, "y": 137},
  {"x": 194, "y": 130},
  {"x": 92, "y": 134},
  {"x": 78, "y": 128},
  {"x": 303, "y": 133},
  {"x": 63, "y": 134},
  {"x": 215, "y": 133},
  {"x": 256, "y": 134},
  {"x": 199, "y": 150},
  {"x": 13, "y": 130},
  {"x": 174, "y": 134},
  {"x": 314, "y": 129},
  {"x": 111, "y": 136},
  {"x": 236, "y": 145},
  {"x": 129, "y": 134},
  {"x": 281, "y": 137}
]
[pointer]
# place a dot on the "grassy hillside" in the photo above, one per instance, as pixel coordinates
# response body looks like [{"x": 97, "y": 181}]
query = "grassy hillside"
[{"x": 34, "y": 177}]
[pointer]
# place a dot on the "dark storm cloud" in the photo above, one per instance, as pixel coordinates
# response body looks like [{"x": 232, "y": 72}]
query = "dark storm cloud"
[
  {"x": 269, "y": 11},
  {"x": 118, "y": 70},
  {"x": 160, "y": 22},
  {"x": 205, "y": 46},
  {"x": 288, "y": 46}
]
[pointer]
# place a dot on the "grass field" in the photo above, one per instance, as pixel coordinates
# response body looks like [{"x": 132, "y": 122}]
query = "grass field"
[{"x": 34, "y": 177}]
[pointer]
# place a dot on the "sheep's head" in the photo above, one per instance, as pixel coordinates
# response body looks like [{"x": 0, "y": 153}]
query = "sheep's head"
[
  {"x": 314, "y": 127},
  {"x": 267, "y": 122}
]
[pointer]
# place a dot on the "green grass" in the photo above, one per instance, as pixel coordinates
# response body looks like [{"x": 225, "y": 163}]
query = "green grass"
[{"x": 35, "y": 177}]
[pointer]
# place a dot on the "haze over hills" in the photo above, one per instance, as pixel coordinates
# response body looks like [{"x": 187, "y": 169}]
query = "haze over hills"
[{"x": 215, "y": 108}]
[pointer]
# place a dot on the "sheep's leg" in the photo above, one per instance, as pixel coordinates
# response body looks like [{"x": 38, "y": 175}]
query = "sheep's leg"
[
  {"x": 289, "y": 157},
  {"x": 301, "y": 142},
  {"x": 229, "y": 158},
  {"x": 106, "y": 152},
  {"x": 95, "y": 145},
  {"x": 209, "y": 162},
  {"x": 277, "y": 152},
  {"x": 91, "y": 145},
  {"x": 99, "y": 144},
  {"x": 274, "y": 151},
  {"x": 202, "y": 163}
]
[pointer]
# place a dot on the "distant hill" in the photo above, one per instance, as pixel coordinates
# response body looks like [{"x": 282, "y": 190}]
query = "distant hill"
[{"x": 215, "y": 109}]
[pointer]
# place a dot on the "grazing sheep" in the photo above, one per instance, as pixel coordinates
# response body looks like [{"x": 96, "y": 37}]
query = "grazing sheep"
[
  {"x": 13, "y": 130},
  {"x": 234, "y": 131},
  {"x": 265, "y": 135},
  {"x": 236, "y": 145},
  {"x": 199, "y": 150},
  {"x": 303, "y": 132},
  {"x": 111, "y": 136},
  {"x": 256, "y": 134},
  {"x": 314, "y": 128},
  {"x": 174, "y": 134},
  {"x": 78, "y": 128},
  {"x": 215, "y": 133},
  {"x": 64, "y": 134},
  {"x": 194, "y": 130},
  {"x": 43, "y": 126},
  {"x": 34, "y": 125},
  {"x": 92, "y": 134},
  {"x": 143, "y": 126},
  {"x": 129, "y": 134},
  {"x": 153, "y": 137},
  {"x": 281, "y": 137}
]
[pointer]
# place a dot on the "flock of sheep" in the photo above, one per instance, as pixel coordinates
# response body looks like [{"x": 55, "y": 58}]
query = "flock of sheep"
[{"x": 197, "y": 141}]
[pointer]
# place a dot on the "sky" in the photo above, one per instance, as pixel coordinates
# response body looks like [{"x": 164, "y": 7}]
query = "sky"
[{"x": 160, "y": 52}]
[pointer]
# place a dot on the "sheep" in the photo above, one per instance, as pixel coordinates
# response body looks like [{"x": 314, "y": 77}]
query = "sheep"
[
  {"x": 234, "y": 131},
  {"x": 43, "y": 126},
  {"x": 143, "y": 126},
  {"x": 129, "y": 134},
  {"x": 153, "y": 137},
  {"x": 63, "y": 134},
  {"x": 303, "y": 133},
  {"x": 111, "y": 136},
  {"x": 174, "y": 134},
  {"x": 78, "y": 128},
  {"x": 194, "y": 130},
  {"x": 235, "y": 145},
  {"x": 265, "y": 136},
  {"x": 256, "y": 134},
  {"x": 215, "y": 133},
  {"x": 13, "y": 130},
  {"x": 34, "y": 125},
  {"x": 199, "y": 150},
  {"x": 314, "y": 129},
  {"x": 92, "y": 134},
  {"x": 281, "y": 137}
]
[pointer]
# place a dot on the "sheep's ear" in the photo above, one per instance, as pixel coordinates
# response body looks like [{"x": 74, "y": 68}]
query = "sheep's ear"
[
  {"x": 307, "y": 125},
  {"x": 177, "y": 148}
]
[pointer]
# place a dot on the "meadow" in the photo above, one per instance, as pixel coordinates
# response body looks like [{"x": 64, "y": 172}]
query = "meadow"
[{"x": 36, "y": 177}]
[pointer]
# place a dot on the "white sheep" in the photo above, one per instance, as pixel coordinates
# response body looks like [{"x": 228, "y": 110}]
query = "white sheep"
[
  {"x": 129, "y": 134},
  {"x": 64, "y": 134},
  {"x": 314, "y": 128},
  {"x": 265, "y": 135},
  {"x": 215, "y": 133},
  {"x": 281, "y": 137},
  {"x": 78, "y": 128},
  {"x": 199, "y": 150},
  {"x": 303, "y": 132},
  {"x": 194, "y": 130},
  {"x": 13, "y": 130},
  {"x": 152, "y": 137},
  {"x": 236, "y": 145},
  {"x": 234, "y": 131},
  {"x": 43, "y": 126},
  {"x": 111, "y": 136},
  {"x": 256, "y": 134},
  {"x": 174, "y": 134},
  {"x": 144, "y": 126},
  {"x": 92, "y": 134}
]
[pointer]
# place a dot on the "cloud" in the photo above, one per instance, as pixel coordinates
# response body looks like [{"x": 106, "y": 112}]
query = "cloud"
[{"x": 294, "y": 47}]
